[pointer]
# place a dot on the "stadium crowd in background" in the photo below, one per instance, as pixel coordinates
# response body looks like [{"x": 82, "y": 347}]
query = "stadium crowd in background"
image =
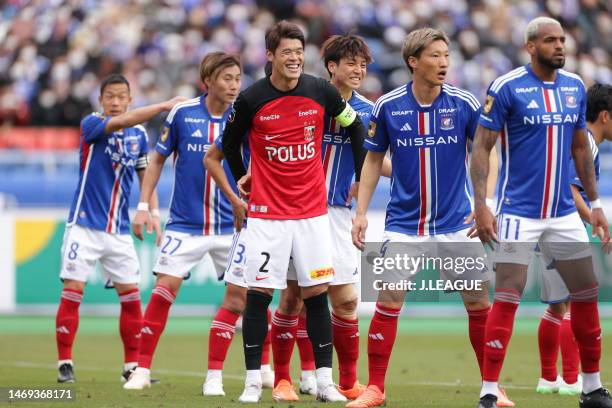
[{"x": 53, "y": 53}]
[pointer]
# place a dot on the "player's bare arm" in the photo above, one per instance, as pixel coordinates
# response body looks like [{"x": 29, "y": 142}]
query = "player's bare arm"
[
  {"x": 386, "y": 169},
  {"x": 139, "y": 115},
  {"x": 147, "y": 189},
  {"x": 583, "y": 160},
  {"x": 370, "y": 174},
  {"x": 583, "y": 209},
  {"x": 484, "y": 142},
  {"x": 491, "y": 184},
  {"x": 212, "y": 162}
]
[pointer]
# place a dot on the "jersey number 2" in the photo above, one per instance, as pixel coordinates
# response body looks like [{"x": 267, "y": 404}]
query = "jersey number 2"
[{"x": 262, "y": 268}]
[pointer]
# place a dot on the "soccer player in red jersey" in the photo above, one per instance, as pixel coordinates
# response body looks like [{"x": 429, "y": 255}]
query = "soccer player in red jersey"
[
  {"x": 287, "y": 209},
  {"x": 346, "y": 58}
]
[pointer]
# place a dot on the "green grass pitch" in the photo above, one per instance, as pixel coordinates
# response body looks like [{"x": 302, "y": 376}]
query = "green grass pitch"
[{"x": 432, "y": 365}]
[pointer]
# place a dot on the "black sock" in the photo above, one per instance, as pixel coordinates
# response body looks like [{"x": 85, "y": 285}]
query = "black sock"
[
  {"x": 318, "y": 325},
  {"x": 255, "y": 327}
]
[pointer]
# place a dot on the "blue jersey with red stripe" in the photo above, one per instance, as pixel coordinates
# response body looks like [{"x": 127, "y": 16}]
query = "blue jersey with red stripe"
[
  {"x": 338, "y": 162},
  {"x": 197, "y": 205},
  {"x": 429, "y": 153},
  {"x": 574, "y": 179},
  {"x": 537, "y": 121},
  {"x": 107, "y": 163}
]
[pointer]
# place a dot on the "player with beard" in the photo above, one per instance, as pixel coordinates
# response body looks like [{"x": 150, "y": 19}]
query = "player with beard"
[{"x": 539, "y": 111}]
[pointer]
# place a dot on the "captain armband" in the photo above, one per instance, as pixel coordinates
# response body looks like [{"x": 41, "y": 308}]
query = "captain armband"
[{"x": 347, "y": 116}]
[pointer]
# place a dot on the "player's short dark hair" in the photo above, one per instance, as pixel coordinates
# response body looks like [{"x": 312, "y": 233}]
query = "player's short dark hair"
[
  {"x": 337, "y": 47},
  {"x": 599, "y": 98},
  {"x": 417, "y": 40},
  {"x": 214, "y": 62},
  {"x": 113, "y": 79},
  {"x": 280, "y": 30}
]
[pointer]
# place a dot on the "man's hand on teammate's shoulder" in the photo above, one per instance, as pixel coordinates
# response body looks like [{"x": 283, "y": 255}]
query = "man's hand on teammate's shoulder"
[
  {"x": 244, "y": 186},
  {"x": 353, "y": 192},
  {"x": 360, "y": 225},
  {"x": 169, "y": 104},
  {"x": 486, "y": 225},
  {"x": 239, "y": 208}
]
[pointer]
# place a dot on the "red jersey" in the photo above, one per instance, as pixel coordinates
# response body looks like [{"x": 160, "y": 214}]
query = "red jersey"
[{"x": 285, "y": 135}]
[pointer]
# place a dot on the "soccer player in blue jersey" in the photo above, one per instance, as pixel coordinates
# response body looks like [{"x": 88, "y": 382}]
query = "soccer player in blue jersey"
[
  {"x": 555, "y": 330},
  {"x": 346, "y": 58},
  {"x": 539, "y": 111},
  {"x": 200, "y": 220},
  {"x": 427, "y": 125},
  {"x": 113, "y": 148}
]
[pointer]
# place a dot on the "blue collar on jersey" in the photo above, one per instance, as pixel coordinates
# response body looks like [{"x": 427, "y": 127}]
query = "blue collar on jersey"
[
  {"x": 212, "y": 118},
  {"x": 414, "y": 101},
  {"x": 545, "y": 84}
]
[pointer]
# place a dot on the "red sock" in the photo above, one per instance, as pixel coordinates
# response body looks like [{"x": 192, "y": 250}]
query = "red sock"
[
  {"x": 381, "y": 336},
  {"x": 585, "y": 324},
  {"x": 346, "y": 342},
  {"x": 154, "y": 322},
  {"x": 498, "y": 332},
  {"x": 548, "y": 342},
  {"x": 220, "y": 337},
  {"x": 265, "y": 352},
  {"x": 570, "y": 356},
  {"x": 284, "y": 332},
  {"x": 67, "y": 322},
  {"x": 307, "y": 362},
  {"x": 130, "y": 324},
  {"x": 477, "y": 320}
]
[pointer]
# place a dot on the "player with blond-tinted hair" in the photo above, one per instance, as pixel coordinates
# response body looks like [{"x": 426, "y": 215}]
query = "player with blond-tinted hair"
[{"x": 201, "y": 220}]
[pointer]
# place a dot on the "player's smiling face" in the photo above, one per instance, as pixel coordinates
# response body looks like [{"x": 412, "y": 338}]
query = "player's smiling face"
[
  {"x": 549, "y": 46},
  {"x": 288, "y": 58},
  {"x": 349, "y": 72},
  {"x": 432, "y": 65},
  {"x": 115, "y": 99},
  {"x": 226, "y": 85}
]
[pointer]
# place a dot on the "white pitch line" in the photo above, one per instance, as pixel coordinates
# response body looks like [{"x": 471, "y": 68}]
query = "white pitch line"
[{"x": 237, "y": 377}]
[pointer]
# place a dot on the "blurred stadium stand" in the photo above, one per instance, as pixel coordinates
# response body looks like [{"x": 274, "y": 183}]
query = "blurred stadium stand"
[{"x": 53, "y": 54}]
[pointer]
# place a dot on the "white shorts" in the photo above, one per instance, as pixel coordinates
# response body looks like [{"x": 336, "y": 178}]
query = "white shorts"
[
  {"x": 270, "y": 244},
  {"x": 453, "y": 245},
  {"x": 180, "y": 252},
  {"x": 82, "y": 247},
  {"x": 552, "y": 287},
  {"x": 562, "y": 238},
  {"x": 236, "y": 260},
  {"x": 345, "y": 257}
]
